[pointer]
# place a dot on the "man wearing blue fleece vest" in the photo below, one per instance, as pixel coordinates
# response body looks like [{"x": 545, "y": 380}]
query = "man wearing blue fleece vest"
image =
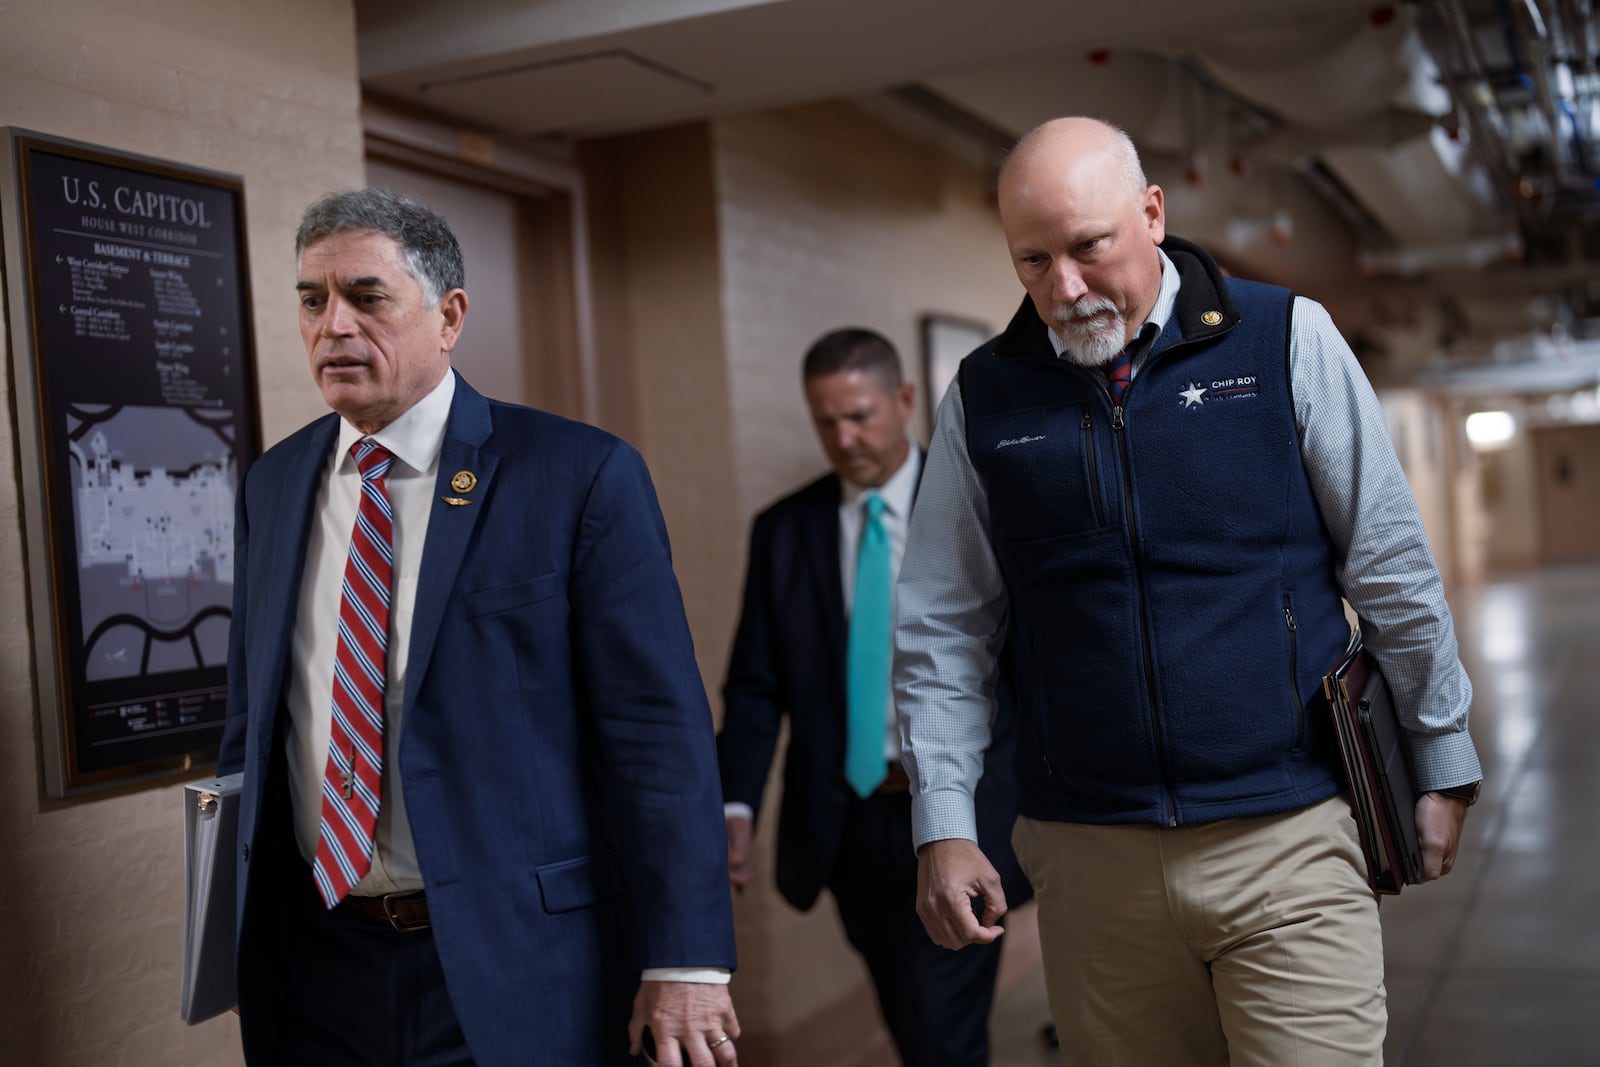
[{"x": 1157, "y": 484}]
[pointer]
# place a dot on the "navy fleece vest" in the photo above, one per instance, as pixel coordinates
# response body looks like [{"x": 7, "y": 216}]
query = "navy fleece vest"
[{"x": 1172, "y": 588}]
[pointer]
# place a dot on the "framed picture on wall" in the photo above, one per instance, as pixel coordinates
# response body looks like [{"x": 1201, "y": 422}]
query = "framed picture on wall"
[
  {"x": 133, "y": 355},
  {"x": 946, "y": 341}
]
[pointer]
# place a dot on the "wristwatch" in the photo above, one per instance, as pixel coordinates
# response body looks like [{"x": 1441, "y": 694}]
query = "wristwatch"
[{"x": 1468, "y": 792}]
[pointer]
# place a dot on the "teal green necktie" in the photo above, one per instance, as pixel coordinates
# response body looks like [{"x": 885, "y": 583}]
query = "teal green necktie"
[{"x": 871, "y": 643}]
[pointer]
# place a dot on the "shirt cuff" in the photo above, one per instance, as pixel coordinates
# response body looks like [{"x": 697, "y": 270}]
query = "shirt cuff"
[
  {"x": 699, "y": 975},
  {"x": 941, "y": 815},
  {"x": 738, "y": 809},
  {"x": 1443, "y": 761}
]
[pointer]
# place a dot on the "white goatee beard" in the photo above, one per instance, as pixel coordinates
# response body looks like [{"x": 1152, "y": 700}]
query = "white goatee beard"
[{"x": 1091, "y": 344}]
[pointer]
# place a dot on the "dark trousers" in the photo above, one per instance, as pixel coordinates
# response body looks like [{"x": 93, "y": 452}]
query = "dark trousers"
[
  {"x": 935, "y": 1002},
  {"x": 362, "y": 994}
]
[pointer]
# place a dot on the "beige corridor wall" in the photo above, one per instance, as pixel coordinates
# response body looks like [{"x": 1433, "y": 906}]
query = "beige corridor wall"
[
  {"x": 827, "y": 217},
  {"x": 91, "y": 892},
  {"x": 830, "y": 218},
  {"x": 1510, "y": 491},
  {"x": 663, "y": 364}
]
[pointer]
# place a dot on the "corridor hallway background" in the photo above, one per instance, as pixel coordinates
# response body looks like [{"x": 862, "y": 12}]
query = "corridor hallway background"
[{"x": 831, "y": 162}]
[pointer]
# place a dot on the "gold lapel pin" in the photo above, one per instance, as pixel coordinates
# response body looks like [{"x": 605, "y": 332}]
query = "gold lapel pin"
[
  {"x": 463, "y": 482},
  {"x": 455, "y": 501},
  {"x": 1210, "y": 318}
]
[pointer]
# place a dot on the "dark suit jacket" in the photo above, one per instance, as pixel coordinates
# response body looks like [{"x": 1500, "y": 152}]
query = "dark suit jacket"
[
  {"x": 789, "y": 659},
  {"x": 556, "y": 747}
]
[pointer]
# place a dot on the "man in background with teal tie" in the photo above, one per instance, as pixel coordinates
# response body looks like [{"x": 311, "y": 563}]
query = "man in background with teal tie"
[{"x": 814, "y": 643}]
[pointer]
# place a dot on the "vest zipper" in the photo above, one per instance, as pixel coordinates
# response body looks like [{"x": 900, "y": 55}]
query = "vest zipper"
[
  {"x": 1169, "y": 794},
  {"x": 1094, "y": 471},
  {"x": 1294, "y": 676}
]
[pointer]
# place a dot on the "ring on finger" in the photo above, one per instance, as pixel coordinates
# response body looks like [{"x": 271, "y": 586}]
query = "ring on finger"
[{"x": 723, "y": 1040}]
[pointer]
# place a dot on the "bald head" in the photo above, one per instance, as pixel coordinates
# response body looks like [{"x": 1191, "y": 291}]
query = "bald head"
[
  {"x": 1082, "y": 226},
  {"x": 1058, "y": 145}
]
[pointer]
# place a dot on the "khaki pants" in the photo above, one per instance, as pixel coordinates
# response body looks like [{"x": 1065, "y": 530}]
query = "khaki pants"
[{"x": 1244, "y": 942}]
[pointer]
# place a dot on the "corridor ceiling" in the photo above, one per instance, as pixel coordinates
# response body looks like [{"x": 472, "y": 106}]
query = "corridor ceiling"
[{"x": 1429, "y": 169}]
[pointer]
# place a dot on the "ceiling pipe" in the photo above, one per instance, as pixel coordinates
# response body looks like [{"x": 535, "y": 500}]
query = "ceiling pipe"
[
  {"x": 1535, "y": 41},
  {"x": 1460, "y": 28},
  {"x": 1535, "y": 18},
  {"x": 1555, "y": 17},
  {"x": 1468, "y": 81},
  {"x": 1580, "y": 44},
  {"x": 1547, "y": 46},
  {"x": 1580, "y": 17}
]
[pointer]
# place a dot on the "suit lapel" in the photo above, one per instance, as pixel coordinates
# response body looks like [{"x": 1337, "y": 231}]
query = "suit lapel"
[
  {"x": 822, "y": 538},
  {"x": 450, "y": 526},
  {"x": 285, "y": 529}
]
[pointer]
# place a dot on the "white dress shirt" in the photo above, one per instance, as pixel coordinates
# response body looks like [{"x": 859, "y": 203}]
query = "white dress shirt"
[{"x": 415, "y": 439}]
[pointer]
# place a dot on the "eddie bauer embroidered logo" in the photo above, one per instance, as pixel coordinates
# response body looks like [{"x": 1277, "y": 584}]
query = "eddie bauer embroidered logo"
[
  {"x": 1009, "y": 441},
  {"x": 1194, "y": 396}
]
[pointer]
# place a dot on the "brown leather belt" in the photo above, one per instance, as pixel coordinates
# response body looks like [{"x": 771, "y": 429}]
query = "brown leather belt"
[
  {"x": 406, "y": 912},
  {"x": 895, "y": 781}
]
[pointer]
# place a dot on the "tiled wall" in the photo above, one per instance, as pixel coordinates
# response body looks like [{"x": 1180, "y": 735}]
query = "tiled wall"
[{"x": 92, "y": 892}]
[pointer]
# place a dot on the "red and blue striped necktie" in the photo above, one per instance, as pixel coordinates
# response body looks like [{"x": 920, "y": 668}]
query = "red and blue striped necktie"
[
  {"x": 352, "y": 787},
  {"x": 1120, "y": 372}
]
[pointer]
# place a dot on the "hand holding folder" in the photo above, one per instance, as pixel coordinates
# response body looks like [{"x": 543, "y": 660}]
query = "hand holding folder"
[
  {"x": 210, "y": 843},
  {"x": 1377, "y": 766}
]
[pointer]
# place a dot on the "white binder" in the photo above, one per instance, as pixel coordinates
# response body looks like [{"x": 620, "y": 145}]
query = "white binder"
[{"x": 210, "y": 854}]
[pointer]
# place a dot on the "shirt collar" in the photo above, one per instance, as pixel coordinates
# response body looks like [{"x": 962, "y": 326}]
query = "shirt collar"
[
  {"x": 1166, "y": 299},
  {"x": 415, "y": 438},
  {"x": 898, "y": 492}
]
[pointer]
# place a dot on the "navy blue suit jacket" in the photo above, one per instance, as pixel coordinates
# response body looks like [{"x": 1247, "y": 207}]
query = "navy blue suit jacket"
[
  {"x": 556, "y": 747},
  {"x": 789, "y": 659}
]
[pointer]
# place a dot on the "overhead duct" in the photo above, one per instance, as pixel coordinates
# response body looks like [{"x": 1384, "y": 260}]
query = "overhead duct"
[
  {"x": 1524, "y": 75},
  {"x": 1472, "y": 254}
]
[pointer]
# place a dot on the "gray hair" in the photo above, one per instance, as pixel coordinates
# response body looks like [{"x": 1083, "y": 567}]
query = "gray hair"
[{"x": 432, "y": 255}]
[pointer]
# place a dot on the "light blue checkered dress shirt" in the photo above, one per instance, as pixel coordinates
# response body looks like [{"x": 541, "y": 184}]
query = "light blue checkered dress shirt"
[{"x": 951, "y": 603}]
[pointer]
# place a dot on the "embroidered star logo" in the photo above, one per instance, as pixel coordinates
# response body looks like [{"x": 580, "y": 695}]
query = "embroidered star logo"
[{"x": 1192, "y": 396}]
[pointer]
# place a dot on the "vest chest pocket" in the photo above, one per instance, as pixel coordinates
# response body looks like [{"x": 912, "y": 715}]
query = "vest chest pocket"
[{"x": 1043, "y": 471}]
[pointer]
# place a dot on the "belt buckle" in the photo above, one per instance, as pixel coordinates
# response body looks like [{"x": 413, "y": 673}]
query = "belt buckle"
[{"x": 394, "y": 918}]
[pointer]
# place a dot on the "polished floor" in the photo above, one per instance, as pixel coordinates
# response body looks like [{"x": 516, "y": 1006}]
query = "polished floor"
[{"x": 1497, "y": 965}]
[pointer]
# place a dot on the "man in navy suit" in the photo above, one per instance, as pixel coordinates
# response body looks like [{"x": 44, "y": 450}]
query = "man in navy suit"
[
  {"x": 800, "y": 651},
  {"x": 480, "y": 804}
]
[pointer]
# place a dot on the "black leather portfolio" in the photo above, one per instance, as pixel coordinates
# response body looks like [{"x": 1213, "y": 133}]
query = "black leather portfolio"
[{"x": 1377, "y": 767}]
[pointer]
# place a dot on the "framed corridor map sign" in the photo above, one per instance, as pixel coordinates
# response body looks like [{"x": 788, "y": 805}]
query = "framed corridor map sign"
[{"x": 127, "y": 295}]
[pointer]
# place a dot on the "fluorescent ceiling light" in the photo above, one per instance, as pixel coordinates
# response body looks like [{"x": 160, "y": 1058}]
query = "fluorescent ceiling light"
[{"x": 1491, "y": 429}]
